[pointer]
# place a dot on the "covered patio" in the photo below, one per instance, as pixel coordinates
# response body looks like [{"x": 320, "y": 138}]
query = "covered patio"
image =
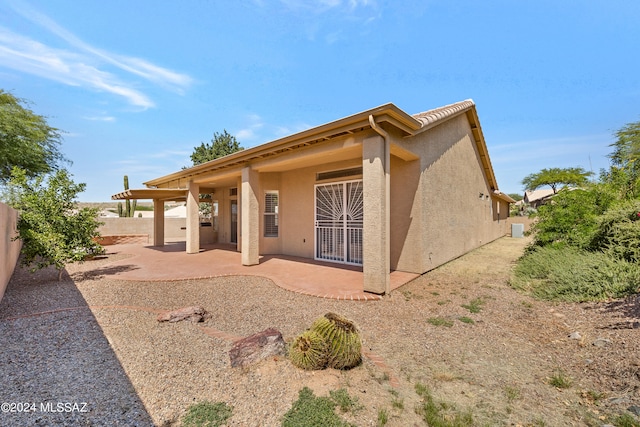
[
  {"x": 302, "y": 275},
  {"x": 381, "y": 190}
]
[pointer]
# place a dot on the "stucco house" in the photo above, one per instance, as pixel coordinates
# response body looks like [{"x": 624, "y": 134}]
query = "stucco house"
[
  {"x": 537, "y": 198},
  {"x": 380, "y": 189}
]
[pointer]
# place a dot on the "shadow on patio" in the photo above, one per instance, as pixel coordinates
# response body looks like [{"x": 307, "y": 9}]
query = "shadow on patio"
[{"x": 302, "y": 275}]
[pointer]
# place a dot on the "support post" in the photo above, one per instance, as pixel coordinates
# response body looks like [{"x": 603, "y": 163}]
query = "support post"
[
  {"x": 250, "y": 217},
  {"x": 193, "y": 218},
  {"x": 376, "y": 225},
  {"x": 158, "y": 222}
]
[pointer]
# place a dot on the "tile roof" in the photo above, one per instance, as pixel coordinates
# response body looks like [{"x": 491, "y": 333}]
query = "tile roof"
[
  {"x": 532, "y": 196},
  {"x": 432, "y": 116}
]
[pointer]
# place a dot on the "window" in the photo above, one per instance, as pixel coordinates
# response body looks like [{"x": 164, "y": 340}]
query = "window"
[
  {"x": 271, "y": 214},
  {"x": 343, "y": 173}
]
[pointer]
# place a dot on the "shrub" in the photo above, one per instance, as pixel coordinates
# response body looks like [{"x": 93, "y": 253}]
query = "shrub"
[
  {"x": 571, "y": 274},
  {"x": 207, "y": 414},
  {"x": 618, "y": 232},
  {"x": 312, "y": 411},
  {"x": 570, "y": 218}
]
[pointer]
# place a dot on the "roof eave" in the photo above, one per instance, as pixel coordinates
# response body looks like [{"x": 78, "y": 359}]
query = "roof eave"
[
  {"x": 151, "y": 193},
  {"x": 388, "y": 113}
]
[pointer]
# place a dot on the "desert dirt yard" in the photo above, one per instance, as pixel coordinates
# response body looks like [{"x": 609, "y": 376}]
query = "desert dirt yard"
[{"x": 479, "y": 346}]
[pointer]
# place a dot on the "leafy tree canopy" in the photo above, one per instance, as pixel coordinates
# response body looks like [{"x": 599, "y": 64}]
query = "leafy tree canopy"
[
  {"x": 53, "y": 230},
  {"x": 554, "y": 177},
  {"x": 26, "y": 140},
  {"x": 624, "y": 174},
  {"x": 222, "y": 144},
  {"x": 626, "y": 149}
]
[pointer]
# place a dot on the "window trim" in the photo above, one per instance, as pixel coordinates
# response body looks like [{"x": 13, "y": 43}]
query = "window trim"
[{"x": 267, "y": 232}]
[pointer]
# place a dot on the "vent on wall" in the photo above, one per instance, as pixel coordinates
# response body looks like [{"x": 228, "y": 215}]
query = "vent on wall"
[
  {"x": 233, "y": 191},
  {"x": 342, "y": 173}
]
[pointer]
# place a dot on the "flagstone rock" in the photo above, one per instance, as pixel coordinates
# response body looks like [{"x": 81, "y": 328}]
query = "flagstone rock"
[
  {"x": 257, "y": 347},
  {"x": 194, "y": 313}
]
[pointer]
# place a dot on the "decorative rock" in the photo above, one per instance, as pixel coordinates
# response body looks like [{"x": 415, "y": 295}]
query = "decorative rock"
[
  {"x": 257, "y": 347},
  {"x": 195, "y": 314},
  {"x": 618, "y": 400},
  {"x": 635, "y": 410},
  {"x": 601, "y": 342},
  {"x": 575, "y": 336}
]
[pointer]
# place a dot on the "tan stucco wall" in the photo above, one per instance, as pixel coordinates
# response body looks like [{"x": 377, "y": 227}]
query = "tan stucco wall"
[
  {"x": 441, "y": 205},
  {"x": 447, "y": 216},
  {"x": 223, "y": 196},
  {"x": 435, "y": 209},
  {"x": 297, "y": 202},
  {"x": 173, "y": 227},
  {"x": 9, "y": 248}
]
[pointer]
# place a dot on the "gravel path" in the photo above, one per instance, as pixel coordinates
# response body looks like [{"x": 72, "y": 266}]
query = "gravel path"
[{"x": 57, "y": 367}]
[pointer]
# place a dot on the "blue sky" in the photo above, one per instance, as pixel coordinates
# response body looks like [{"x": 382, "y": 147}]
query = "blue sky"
[{"x": 136, "y": 85}]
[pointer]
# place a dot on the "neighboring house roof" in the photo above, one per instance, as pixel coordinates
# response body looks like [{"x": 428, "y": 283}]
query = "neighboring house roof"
[
  {"x": 107, "y": 214},
  {"x": 388, "y": 114},
  {"x": 177, "y": 212},
  {"x": 537, "y": 195}
]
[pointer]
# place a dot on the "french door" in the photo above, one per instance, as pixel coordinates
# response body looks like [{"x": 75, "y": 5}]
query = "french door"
[{"x": 338, "y": 223}]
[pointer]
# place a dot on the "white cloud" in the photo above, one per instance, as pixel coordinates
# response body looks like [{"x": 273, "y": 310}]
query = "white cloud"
[
  {"x": 100, "y": 118},
  {"x": 32, "y": 57},
  {"x": 282, "y": 131},
  {"x": 81, "y": 64},
  {"x": 249, "y": 133},
  {"x": 324, "y": 5}
]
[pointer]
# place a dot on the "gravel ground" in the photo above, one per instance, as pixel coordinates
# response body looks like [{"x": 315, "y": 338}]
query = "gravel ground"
[
  {"x": 57, "y": 367},
  {"x": 110, "y": 351}
]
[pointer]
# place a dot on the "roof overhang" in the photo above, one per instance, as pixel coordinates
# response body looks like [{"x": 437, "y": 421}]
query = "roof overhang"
[
  {"x": 504, "y": 197},
  {"x": 152, "y": 193},
  {"x": 388, "y": 114}
]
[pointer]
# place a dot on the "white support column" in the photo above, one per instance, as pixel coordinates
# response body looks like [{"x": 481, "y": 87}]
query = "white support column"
[
  {"x": 250, "y": 217},
  {"x": 376, "y": 264},
  {"x": 158, "y": 222},
  {"x": 193, "y": 218}
]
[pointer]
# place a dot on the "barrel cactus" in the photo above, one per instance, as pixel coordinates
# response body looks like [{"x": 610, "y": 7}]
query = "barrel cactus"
[
  {"x": 308, "y": 351},
  {"x": 344, "y": 347}
]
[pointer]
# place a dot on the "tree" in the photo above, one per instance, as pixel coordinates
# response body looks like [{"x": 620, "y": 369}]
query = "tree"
[
  {"x": 626, "y": 152},
  {"x": 222, "y": 144},
  {"x": 53, "y": 230},
  {"x": 624, "y": 174},
  {"x": 556, "y": 176},
  {"x": 26, "y": 140}
]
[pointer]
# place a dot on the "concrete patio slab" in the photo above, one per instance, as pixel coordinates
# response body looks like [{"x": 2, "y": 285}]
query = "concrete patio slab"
[{"x": 302, "y": 275}]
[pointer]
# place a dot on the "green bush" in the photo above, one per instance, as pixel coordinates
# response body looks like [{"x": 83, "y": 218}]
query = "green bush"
[
  {"x": 618, "y": 232},
  {"x": 571, "y": 217},
  {"x": 571, "y": 274},
  {"x": 207, "y": 414},
  {"x": 312, "y": 411}
]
